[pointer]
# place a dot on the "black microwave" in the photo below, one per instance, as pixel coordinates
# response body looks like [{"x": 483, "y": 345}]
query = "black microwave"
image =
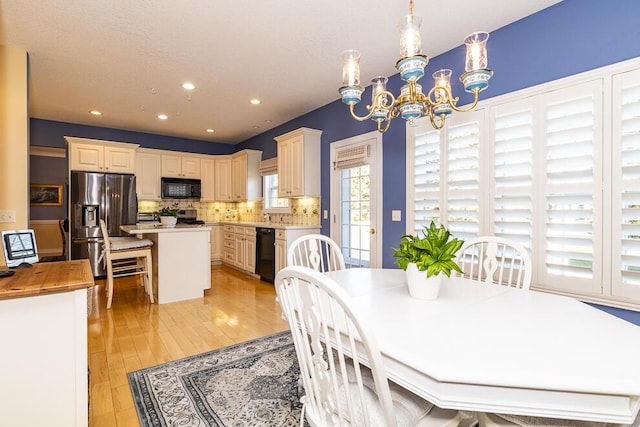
[{"x": 180, "y": 188}]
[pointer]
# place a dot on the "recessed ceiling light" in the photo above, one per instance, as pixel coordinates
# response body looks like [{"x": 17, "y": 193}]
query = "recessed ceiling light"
[
  {"x": 96, "y": 112},
  {"x": 163, "y": 116},
  {"x": 210, "y": 130},
  {"x": 255, "y": 102},
  {"x": 267, "y": 121},
  {"x": 188, "y": 86}
]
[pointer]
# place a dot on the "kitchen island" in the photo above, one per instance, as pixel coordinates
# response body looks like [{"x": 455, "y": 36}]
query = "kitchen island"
[{"x": 181, "y": 259}]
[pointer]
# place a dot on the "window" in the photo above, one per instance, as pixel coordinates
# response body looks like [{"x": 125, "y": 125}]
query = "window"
[
  {"x": 556, "y": 168},
  {"x": 271, "y": 202}
]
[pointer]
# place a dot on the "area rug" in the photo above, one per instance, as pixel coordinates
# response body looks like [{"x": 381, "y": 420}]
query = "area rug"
[{"x": 254, "y": 383}]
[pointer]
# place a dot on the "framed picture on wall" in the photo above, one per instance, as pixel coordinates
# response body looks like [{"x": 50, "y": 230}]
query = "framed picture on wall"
[{"x": 46, "y": 195}]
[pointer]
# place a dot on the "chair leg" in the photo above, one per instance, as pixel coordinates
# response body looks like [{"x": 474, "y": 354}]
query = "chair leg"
[
  {"x": 149, "y": 276},
  {"x": 109, "y": 283}
]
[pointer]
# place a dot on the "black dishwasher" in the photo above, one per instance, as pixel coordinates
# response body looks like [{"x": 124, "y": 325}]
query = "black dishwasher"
[{"x": 266, "y": 253}]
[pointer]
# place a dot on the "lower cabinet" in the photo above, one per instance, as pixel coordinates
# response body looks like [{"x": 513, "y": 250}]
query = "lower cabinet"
[
  {"x": 239, "y": 247},
  {"x": 217, "y": 244},
  {"x": 44, "y": 360}
]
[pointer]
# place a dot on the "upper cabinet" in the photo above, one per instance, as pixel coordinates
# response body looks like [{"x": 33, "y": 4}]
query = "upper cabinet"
[
  {"x": 299, "y": 163},
  {"x": 180, "y": 166},
  {"x": 207, "y": 177},
  {"x": 222, "y": 180},
  {"x": 95, "y": 155},
  {"x": 245, "y": 175},
  {"x": 148, "y": 175}
]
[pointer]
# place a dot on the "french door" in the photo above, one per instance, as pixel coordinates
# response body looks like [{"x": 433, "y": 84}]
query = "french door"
[{"x": 356, "y": 199}]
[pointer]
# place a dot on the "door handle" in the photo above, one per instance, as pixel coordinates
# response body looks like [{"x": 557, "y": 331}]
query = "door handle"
[{"x": 372, "y": 231}]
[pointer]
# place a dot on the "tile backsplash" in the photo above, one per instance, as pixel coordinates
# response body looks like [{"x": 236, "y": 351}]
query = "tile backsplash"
[{"x": 304, "y": 211}]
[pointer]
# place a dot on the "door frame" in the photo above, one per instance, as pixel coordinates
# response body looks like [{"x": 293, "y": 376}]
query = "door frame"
[{"x": 375, "y": 186}]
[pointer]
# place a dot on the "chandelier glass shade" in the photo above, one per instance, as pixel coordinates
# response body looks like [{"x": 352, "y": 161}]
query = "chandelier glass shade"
[{"x": 438, "y": 103}]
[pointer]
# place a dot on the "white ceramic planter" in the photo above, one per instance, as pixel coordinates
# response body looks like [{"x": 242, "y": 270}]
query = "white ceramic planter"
[
  {"x": 420, "y": 286},
  {"x": 168, "y": 221}
]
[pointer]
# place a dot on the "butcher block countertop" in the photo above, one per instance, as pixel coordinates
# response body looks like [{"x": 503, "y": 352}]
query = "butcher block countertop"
[{"x": 47, "y": 277}]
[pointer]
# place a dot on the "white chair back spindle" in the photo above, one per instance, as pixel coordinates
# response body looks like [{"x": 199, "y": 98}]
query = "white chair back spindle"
[
  {"x": 497, "y": 260},
  {"x": 316, "y": 251}
]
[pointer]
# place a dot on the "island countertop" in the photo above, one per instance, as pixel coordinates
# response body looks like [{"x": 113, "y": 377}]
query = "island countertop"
[
  {"x": 156, "y": 228},
  {"x": 47, "y": 278}
]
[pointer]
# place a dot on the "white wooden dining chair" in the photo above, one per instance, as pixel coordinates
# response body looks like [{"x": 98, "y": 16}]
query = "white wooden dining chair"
[
  {"x": 127, "y": 256},
  {"x": 316, "y": 251},
  {"x": 331, "y": 345},
  {"x": 497, "y": 260}
]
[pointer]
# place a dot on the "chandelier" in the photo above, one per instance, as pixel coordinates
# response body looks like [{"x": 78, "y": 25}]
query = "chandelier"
[{"x": 438, "y": 103}]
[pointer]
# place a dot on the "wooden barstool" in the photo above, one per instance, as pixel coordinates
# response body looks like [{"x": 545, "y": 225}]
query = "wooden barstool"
[{"x": 127, "y": 256}]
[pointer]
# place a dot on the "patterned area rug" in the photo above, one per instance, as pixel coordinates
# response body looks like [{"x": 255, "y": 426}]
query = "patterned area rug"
[{"x": 254, "y": 383}]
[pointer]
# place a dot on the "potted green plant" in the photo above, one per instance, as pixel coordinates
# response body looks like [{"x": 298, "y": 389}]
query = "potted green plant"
[
  {"x": 168, "y": 216},
  {"x": 426, "y": 258}
]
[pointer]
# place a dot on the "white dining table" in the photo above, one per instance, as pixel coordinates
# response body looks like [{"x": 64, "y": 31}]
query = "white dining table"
[{"x": 490, "y": 348}]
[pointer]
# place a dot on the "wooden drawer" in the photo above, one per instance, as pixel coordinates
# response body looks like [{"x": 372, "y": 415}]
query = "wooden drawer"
[
  {"x": 229, "y": 236},
  {"x": 281, "y": 234},
  {"x": 229, "y": 256},
  {"x": 229, "y": 228},
  {"x": 231, "y": 244},
  {"x": 249, "y": 231}
]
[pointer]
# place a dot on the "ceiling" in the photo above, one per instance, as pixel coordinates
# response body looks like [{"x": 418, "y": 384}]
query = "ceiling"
[{"x": 128, "y": 58}]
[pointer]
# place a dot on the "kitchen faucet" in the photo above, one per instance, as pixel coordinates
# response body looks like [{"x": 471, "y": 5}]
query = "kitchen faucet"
[{"x": 267, "y": 218}]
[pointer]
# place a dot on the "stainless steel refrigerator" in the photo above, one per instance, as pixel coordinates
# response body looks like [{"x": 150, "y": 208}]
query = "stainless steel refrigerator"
[{"x": 96, "y": 196}]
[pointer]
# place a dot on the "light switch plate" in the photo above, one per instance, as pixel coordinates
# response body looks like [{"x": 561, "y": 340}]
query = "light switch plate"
[
  {"x": 396, "y": 215},
  {"x": 325, "y": 214},
  {"x": 7, "y": 216}
]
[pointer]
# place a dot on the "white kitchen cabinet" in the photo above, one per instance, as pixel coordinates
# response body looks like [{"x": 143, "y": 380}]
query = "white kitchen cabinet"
[
  {"x": 299, "y": 163},
  {"x": 148, "y": 175},
  {"x": 222, "y": 179},
  {"x": 240, "y": 247},
  {"x": 180, "y": 166},
  {"x": 250, "y": 249},
  {"x": 281, "y": 250},
  {"x": 246, "y": 180},
  {"x": 217, "y": 243},
  {"x": 229, "y": 245},
  {"x": 94, "y": 155},
  {"x": 44, "y": 360},
  {"x": 284, "y": 238},
  {"x": 207, "y": 177}
]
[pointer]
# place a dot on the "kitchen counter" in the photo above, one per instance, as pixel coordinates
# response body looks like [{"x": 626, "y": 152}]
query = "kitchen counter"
[
  {"x": 142, "y": 228},
  {"x": 275, "y": 225},
  {"x": 181, "y": 259},
  {"x": 46, "y": 278}
]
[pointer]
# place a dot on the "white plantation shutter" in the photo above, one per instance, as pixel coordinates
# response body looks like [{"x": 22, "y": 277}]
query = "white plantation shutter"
[
  {"x": 425, "y": 191},
  {"x": 572, "y": 188},
  {"x": 626, "y": 185},
  {"x": 512, "y": 175},
  {"x": 556, "y": 168},
  {"x": 462, "y": 175}
]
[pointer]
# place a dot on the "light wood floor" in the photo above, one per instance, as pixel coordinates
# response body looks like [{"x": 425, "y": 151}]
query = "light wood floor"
[{"x": 135, "y": 334}]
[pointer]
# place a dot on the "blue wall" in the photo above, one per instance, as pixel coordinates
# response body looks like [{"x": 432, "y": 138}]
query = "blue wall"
[
  {"x": 568, "y": 38},
  {"x": 51, "y": 134}
]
